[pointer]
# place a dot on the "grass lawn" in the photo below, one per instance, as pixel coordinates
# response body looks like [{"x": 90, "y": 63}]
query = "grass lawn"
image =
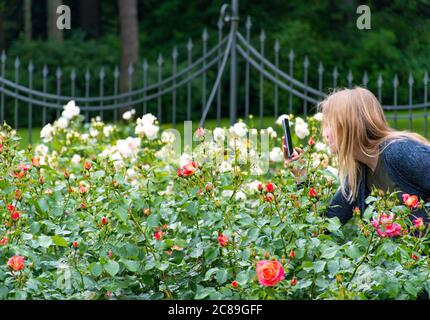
[{"x": 418, "y": 125}]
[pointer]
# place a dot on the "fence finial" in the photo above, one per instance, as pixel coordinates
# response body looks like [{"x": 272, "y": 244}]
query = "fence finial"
[{"x": 426, "y": 78}]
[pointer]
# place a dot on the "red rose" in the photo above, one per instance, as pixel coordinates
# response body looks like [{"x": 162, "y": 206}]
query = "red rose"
[
  {"x": 10, "y": 207},
  {"x": 75, "y": 244},
  {"x": 270, "y": 187},
  {"x": 260, "y": 187},
  {"x": 15, "y": 216},
  {"x": 16, "y": 263},
  {"x": 415, "y": 257},
  {"x": 312, "y": 192},
  {"x": 234, "y": 284},
  {"x": 158, "y": 235},
  {"x": 222, "y": 240},
  {"x": 293, "y": 281}
]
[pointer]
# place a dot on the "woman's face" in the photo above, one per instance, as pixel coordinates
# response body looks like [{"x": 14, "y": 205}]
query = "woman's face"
[{"x": 329, "y": 139}]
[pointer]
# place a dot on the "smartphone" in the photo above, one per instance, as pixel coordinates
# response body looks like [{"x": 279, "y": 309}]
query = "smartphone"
[{"x": 288, "y": 152}]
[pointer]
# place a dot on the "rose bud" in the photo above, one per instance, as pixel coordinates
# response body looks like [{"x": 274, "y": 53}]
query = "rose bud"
[
  {"x": 104, "y": 221},
  {"x": 234, "y": 284},
  {"x": 87, "y": 165},
  {"x": 293, "y": 282},
  {"x": 222, "y": 240},
  {"x": 146, "y": 212},
  {"x": 75, "y": 244}
]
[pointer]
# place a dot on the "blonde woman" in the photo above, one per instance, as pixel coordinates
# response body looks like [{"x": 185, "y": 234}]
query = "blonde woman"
[{"x": 370, "y": 153}]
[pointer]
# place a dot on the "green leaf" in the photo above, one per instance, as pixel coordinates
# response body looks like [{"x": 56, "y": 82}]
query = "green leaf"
[
  {"x": 319, "y": 266},
  {"x": 96, "y": 269},
  {"x": 112, "y": 267},
  {"x": 211, "y": 253},
  {"x": 130, "y": 265},
  {"x": 353, "y": 252},
  {"x": 59, "y": 241},
  {"x": 44, "y": 241},
  {"x": 222, "y": 276},
  {"x": 209, "y": 273},
  {"x": 329, "y": 252}
]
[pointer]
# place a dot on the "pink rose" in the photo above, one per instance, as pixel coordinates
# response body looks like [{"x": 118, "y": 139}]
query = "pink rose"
[
  {"x": 386, "y": 227},
  {"x": 269, "y": 272}
]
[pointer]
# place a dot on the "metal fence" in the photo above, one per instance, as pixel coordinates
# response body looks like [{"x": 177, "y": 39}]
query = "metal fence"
[{"x": 173, "y": 91}]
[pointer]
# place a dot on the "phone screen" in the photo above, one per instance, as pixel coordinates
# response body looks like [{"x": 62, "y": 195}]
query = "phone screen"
[{"x": 288, "y": 140}]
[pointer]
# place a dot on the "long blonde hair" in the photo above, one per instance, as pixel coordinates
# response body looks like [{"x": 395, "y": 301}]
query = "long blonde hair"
[{"x": 357, "y": 124}]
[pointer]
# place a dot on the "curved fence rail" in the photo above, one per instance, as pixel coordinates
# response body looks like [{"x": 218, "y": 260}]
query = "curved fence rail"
[{"x": 185, "y": 84}]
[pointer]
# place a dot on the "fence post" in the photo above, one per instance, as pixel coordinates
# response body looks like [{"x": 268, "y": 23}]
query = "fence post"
[
  {"x": 205, "y": 37},
  {"x": 175, "y": 59},
  {"x": 30, "y": 105},
  {"x": 411, "y": 86},
  {"x": 233, "y": 60},
  {"x": 101, "y": 89},
  {"x": 58, "y": 74},
  {"x": 190, "y": 61},
  {"x": 380, "y": 83},
  {"x": 277, "y": 47},
  {"x": 3, "y": 63},
  {"x": 395, "y": 85},
  {"x": 291, "y": 74},
  {"x": 160, "y": 62},
  {"x": 248, "y": 26},
  {"x": 45, "y": 73},
  {"x": 220, "y": 26},
  {"x": 17, "y": 63},
  {"x": 261, "y": 113},
  {"x": 115, "y": 91}
]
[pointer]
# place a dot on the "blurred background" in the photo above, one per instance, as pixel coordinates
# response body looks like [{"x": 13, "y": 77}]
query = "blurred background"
[{"x": 317, "y": 43}]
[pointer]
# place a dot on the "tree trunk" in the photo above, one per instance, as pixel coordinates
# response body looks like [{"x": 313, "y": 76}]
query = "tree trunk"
[
  {"x": 2, "y": 41},
  {"x": 53, "y": 32},
  {"x": 27, "y": 20},
  {"x": 90, "y": 17},
  {"x": 129, "y": 38}
]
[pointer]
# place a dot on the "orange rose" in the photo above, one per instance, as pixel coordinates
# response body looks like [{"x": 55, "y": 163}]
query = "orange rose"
[
  {"x": 269, "y": 272},
  {"x": 16, "y": 263},
  {"x": 410, "y": 201}
]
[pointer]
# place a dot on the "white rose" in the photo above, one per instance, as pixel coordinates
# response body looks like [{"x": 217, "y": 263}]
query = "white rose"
[
  {"x": 240, "y": 196},
  {"x": 127, "y": 115},
  {"x": 76, "y": 159},
  {"x": 302, "y": 130},
  {"x": 46, "y": 132},
  {"x": 151, "y": 131},
  {"x": 94, "y": 132},
  {"x": 320, "y": 146},
  {"x": 70, "y": 110},
  {"x": 276, "y": 155},
  {"x": 318, "y": 116},
  {"x": 280, "y": 118},
  {"x": 41, "y": 150},
  {"x": 219, "y": 134},
  {"x": 62, "y": 122}
]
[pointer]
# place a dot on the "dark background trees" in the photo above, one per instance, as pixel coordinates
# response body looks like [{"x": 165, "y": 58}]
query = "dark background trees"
[{"x": 324, "y": 30}]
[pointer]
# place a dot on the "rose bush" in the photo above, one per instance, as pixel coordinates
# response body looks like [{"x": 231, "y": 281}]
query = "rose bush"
[{"x": 103, "y": 212}]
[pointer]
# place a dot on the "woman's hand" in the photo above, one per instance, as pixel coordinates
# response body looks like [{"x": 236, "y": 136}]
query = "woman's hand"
[{"x": 297, "y": 153}]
